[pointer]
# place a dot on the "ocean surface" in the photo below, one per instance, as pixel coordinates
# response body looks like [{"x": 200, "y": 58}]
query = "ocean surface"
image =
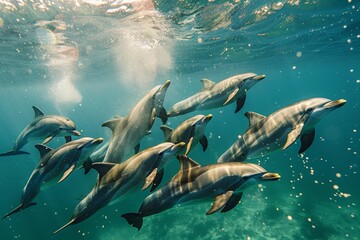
[{"x": 92, "y": 60}]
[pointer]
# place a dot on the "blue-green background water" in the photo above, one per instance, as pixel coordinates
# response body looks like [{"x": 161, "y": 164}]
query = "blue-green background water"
[{"x": 92, "y": 60}]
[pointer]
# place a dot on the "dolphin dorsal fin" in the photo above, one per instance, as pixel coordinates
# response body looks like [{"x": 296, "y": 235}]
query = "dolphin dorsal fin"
[
  {"x": 206, "y": 83},
  {"x": 42, "y": 149},
  {"x": 102, "y": 167},
  {"x": 254, "y": 117},
  {"x": 167, "y": 131},
  {"x": 112, "y": 123},
  {"x": 186, "y": 162},
  {"x": 37, "y": 111}
]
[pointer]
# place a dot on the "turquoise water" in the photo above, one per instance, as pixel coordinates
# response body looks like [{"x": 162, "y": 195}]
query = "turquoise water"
[{"x": 93, "y": 60}]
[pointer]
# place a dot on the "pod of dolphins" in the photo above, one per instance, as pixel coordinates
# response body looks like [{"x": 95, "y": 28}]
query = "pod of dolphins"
[{"x": 222, "y": 183}]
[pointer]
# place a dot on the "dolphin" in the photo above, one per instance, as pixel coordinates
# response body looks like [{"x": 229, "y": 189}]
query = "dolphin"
[
  {"x": 191, "y": 131},
  {"x": 215, "y": 95},
  {"x": 55, "y": 165},
  {"x": 99, "y": 155},
  {"x": 117, "y": 179},
  {"x": 127, "y": 132},
  {"x": 280, "y": 129},
  {"x": 43, "y": 127},
  {"x": 223, "y": 181}
]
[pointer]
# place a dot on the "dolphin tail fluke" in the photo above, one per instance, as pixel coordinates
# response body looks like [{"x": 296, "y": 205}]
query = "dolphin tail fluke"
[
  {"x": 18, "y": 209},
  {"x": 134, "y": 219},
  {"x": 66, "y": 225},
  {"x": 13, "y": 153}
]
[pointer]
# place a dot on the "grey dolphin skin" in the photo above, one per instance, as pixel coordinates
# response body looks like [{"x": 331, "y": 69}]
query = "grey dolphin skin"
[
  {"x": 280, "y": 129},
  {"x": 54, "y": 166},
  {"x": 191, "y": 131},
  {"x": 215, "y": 95},
  {"x": 115, "y": 180},
  {"x": 99, "y": 155},
  {"x": 44, "y": 127},
  {"x": 223, "y": 181},
  {"x": 127, "y": 132}
]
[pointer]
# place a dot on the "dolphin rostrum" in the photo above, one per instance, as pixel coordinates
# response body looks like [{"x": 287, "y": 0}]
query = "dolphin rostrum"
[
  {"x": 127, "y": 132},
  {"x": 117, "y": 179},
  {"x": 223, "y": 181},
  {"x": 215, "y": 95},
  {"x": 191, "y": 131},
  {"x": 54, "y": 166},
  {"x": 43, "y": 127},
  {"x": 280, "y": 129}
]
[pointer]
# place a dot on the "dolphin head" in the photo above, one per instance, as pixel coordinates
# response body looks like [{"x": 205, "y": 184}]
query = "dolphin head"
[
  {"x": 200, "y": 124},
  {"x": 318, "y": 108},
  {"x": 89, "y": 145},
  {"x": 168, "y": 150},
  {"x": 203, "y": 120},
  {"x": 159, "y": 95},
  {"x": 247, "y": 80},
  {"x": 67, "y": 127},
  {"x": 253, "y": 174}
]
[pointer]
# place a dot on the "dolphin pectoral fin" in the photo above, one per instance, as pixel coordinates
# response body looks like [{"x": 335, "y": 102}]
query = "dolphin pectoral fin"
[
  {"x": 163, "y": 115},
  {"x": 240, "y": 103},
  {"x": 137, "y": 148},
  {"x": 149, "y": 179},
  {"x": 18, "y": 209},
  {"x": 306, "y": 140},
  {"x": 67, "y": 173},
  {"x": 66, "y": 225},
  {"x": 233, "y": 201},
  {"x": 13, "y": 153},
  {"x": 293, "y": 135},
  {"x": 68, "y": 139},
  {"x": 188, "y": 146},
  {"x": 152, "y": 117},
  {"x": 72, "y": 163},
  {"x": 48, "y": 139},
  {"x": 157, "y": 180},
  {"x": 37, "y": 111},
  {"x": 220, "y": 202},
  {"x": 134, "y": 219},
  {"x": 231, "y": 96},
  {"x": 204, "y": 143}
]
